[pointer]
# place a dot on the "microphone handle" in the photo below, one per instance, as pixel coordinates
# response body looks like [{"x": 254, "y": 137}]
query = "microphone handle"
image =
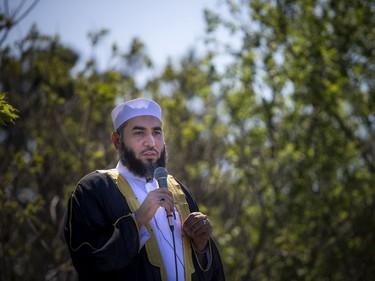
[
  {"x": 163, "y": 184},
  {"x": 170, "y": 220}
]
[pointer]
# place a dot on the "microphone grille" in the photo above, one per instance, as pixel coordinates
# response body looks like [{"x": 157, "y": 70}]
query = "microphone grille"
[{"x": 160, "y": 172}]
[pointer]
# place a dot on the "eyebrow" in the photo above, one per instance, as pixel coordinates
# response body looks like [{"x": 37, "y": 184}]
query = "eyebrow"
[{"x": 157, "y": 128}]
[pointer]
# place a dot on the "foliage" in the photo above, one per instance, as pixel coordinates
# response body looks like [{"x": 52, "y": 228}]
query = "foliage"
[
  {"x": 273, "y": 133},
  {"x": 58, "y": 137},
  {"x": 7, "y": 112},
  {"x": 300, "y": 96}
]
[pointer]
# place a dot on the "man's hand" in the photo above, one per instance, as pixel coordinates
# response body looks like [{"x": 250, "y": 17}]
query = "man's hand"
[
  {"x": 199, "y": 229},
  {"x": 160, "y": 197}
]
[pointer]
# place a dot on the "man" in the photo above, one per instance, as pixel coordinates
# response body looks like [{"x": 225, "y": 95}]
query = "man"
[{"x": 117, "y": 226}]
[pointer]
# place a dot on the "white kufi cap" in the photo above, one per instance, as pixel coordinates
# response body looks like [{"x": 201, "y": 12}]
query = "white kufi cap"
[{"x": 134, "y": 108}]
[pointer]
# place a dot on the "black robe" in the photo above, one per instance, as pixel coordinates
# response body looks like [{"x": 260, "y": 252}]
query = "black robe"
[{"x": 103, "y": 238}]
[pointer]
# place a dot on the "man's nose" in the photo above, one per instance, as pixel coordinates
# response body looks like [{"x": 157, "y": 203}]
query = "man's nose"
[{"x": 149, "y": 141}]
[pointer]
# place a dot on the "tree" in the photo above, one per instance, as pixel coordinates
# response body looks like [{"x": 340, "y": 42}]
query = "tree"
[
  {"x": 58, "y": 138},
  {"x": 11, "y": 14},
  {"x": 300, "y": 96}
]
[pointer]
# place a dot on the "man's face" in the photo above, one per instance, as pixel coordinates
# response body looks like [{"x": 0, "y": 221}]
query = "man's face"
[{"x": 142, "y": 147}]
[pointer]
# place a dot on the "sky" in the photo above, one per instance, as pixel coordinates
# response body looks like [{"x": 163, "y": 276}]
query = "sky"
[{"x": 168, "y": 28}]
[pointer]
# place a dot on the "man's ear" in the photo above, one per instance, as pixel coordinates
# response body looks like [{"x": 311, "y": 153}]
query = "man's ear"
[{"x": 116, "y": 140}]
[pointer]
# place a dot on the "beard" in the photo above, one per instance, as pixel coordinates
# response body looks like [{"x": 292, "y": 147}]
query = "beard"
[{"x": 136, "y": 166}]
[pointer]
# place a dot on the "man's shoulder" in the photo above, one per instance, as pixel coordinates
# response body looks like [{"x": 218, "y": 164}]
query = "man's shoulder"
[
  {"x": 97, "y": 179},
  {"x": 178, "y": 182}
]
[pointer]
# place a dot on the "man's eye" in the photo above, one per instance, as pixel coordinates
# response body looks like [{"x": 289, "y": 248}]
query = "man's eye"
[{"x": 138, "y": 133}]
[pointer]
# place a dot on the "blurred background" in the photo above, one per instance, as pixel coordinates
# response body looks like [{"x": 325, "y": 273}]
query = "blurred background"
[{"x": 269, "y": 118}]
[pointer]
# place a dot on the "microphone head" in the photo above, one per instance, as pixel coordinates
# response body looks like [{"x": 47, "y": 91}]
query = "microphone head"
[{"x": 160, "y": 172}]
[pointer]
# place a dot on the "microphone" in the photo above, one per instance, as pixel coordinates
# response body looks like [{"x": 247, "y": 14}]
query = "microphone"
[{"x": 161, "y": 174}]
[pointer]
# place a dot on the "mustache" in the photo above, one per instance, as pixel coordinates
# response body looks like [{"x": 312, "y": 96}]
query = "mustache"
[{"x": 149, "y": 149}]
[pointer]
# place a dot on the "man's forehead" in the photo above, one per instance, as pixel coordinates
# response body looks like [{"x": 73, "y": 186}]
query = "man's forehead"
[{"x": 145, "y": 121}]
